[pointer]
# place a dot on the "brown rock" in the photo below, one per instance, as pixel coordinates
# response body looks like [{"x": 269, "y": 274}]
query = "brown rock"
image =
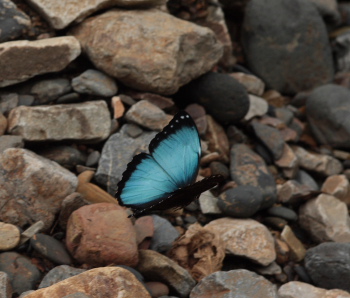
[
  {"x": 253, "y": 84},
  {"x": 282, "y": 251},
  {"x": 326, "y": 219},
  {"x": 157, "y": 288},
  {"x": 118, "y": 107},
  {"x": 155, "y": 266},
  {"x": 338, "y": 186},
  {"x": 147, "y": 115},
  {"x": 60, "y": 14},
  {"x": 199, "y": 250},
  {"x": 217, "y": 138},
  {"x": 32, "y": 187},
  {"x": 101, "y": 234},
  {"x": 88, "y": 121},
  {"x": 288, "y": 162},
  {"x": 297, "y": 249},
  {"x": 246, "y": 238},
  {"x": 296, "y": 289},
  {"x": 3, "y": 124},
  {"x": 144, "y": 55},
  {"x": 22, "y": 59},
  {"x": 293, "y": 192},
  {"x": 161, "y": 102},
  {"x": 274, "y": 98},
  {"x": 108, "y": 282},
  {"x": 9, "y": 235},
  {"x": 322, "y": 164},
  {"x": 144, "y": 227},
  {"x": 8, "y": 141}
]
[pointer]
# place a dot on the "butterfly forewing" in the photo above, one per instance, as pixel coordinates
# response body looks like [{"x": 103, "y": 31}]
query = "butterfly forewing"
[{"x": 177, "y": 149}]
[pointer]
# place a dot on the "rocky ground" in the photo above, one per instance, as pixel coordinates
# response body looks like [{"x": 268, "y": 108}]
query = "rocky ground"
[{"x": 86, "y": 85}]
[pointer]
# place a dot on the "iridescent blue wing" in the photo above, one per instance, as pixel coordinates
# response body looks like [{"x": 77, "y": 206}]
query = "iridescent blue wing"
[{"x": 172, "y": 164}]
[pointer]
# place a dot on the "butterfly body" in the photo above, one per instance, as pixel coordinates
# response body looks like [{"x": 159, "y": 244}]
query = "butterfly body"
[{"x": 165, "y": 177}]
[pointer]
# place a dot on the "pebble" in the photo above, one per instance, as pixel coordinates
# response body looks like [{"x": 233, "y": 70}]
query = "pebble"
[
  {"x": 157, "y": 289},
  {"x": 292, "y": 192},
  {"x": 93, "y": 158},
  {"x": 164, "y": 234},
  {"x": 9, "y": 235},
  {"x": 208, "y": 203},
  {"x": 242, "y": 201},
  {"x": 238, "y": 234},
  {"x": 304, "y": 178},
  {"x": 118, "y": 107},
  {"x": 155, "y": 266},
  {"x": 218, "y": 168},
  {"x": 252, "y": 83},
  {"x": 94, "y": 82},
  {"x": 8, "y": 102},
  {"x": 296, "y": 289},
  {"x": 288, "y": 162},
  {"x": 297, "y": 249},
  {"x": 22, "y": 273},
  {"x": 337, "y": 186},
  {"x": 51, "y": 248},
  {"x": 46, "y": 91},
  {"x": 248, "y": 168},
  {"x": 283, "y": 212},
  {"x": 39, "y": 195},
  {"x": 319, "y": 263},
  {"x": 234, "y": 283},
  {"x": 326, "y": 219},
  {"x": 106, "y": 281},
  {"x": 144, "y": 227},
  {"x": 5, "y": 286},
  {"x": 91, "y": 231},
  {"x": 275, "y": 222},
  {"x": 160, "y": 101},
  {"x": 58, "y": 274},
  {"x": 147, "y": 115},
  {"x": 8, "y": 141},
  {"x": 257, "y": 107}
]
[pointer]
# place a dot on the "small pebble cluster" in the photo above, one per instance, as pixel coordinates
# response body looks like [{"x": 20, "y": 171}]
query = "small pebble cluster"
[{"x": 86, "y": 85}]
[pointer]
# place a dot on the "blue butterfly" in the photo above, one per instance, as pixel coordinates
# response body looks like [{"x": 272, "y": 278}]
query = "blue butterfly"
[{"x": 165, "y": 178}]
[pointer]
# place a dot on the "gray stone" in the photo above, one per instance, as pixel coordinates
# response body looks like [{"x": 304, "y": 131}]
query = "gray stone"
[
  {"x": 46, "y": 91},
  {"x": 116, "y": 154},
  {"x": 32, "y": 187},
  {"x": 8, "y": 141},
  {"x": 8, "y": 102},
  {"x": 164, "y": 234},
  {"x": 13, "y": 22},
  {"x": 235, "y": 283},
  {"x": 22, "y": 59},
  {"x": 20, "y": 270},
  {"x": 248, "y": 168},
  {"x": 183, "y": 50},
  {"x": 320, "y": 264},
  {"x": 267, "y": 41},
  {"x": 327, "y": 110},
  {"x": 258, "y": 106},
  {"x": 95, "y": 82},
  {"x": 5, "y": 286},
  {"x": 88, "y": 122},
  {"x": 58, "y": 274},
  {"x": 304, "y": 178}
]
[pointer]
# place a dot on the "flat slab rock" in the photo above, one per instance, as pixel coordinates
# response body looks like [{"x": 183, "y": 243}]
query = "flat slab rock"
[
  {"x": 60, "y": 14},
  {"x": 107, "y": 282},
  {"x": 88, "y": 121},
  {"x": 22, "y": 59},
  {"x": 144, "y": 55},
  {"x": 32, "y": 188}
]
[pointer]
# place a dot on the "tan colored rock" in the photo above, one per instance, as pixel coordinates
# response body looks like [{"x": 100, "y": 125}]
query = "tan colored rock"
[
  {"x": 32, "y": 187},
  {"x": 118, "y": 107},
  {"x": 217, "y": 139},
  {"x": 31, "y": 231},
  {"x": 288, "y": 162},
  {"x": 297, "y": 289},
  {"x": 245, "y": 238},
  {"x": 338, "y": 186},
  {"x": 257, "y": 107},
  {"x": 5, "y": 285},
  {"x": 292, "y": 192},
  {"x": 155, "y": 266},
  {"x": 147, "y": 115},
  {"x": 326, "y": 219},
  {"x": 323, "y": 164},
  {"x": 88, "y": 122},
  {"x": 3, "y": 124},
  {"x": 253, "y": 84},
  {"x": 102, "y": 234},
  {"x": 22, "y": 59},
  {"x": 107, "y": 282},
  {"x": 131, "y": 46},
  {"x": 9, "y": 235},
  {"x": 60, "y": 14},
  {"x": 297, "y": 249}
]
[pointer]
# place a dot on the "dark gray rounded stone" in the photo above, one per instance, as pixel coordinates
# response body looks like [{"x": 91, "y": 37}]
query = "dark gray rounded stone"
[
  {"x": 286, "y": 44},
  {"x": 242, "y": 201},
  {"x": 328, "y": 265},
  {"x": 221, "y": 95},
  {"x": 51, "y": 248},
  {"x": 22, "y": 273},
  {"x": 58, "y": 274},
  {"x": 328, "y": 110},
  {"x": 283, "y": 212}
]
